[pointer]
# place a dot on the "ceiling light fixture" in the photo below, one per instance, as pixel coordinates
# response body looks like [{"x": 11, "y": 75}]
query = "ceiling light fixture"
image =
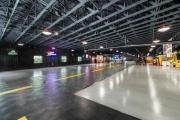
[
  {"x": 56, "y": 33},
  {"x": 170, "y": 39},
  {"x": 46, "y": 32},
  {"x": 101, "y": 47},
  {"x": 151, "y": 49},
  {"x": 53, "y": 48},
  {"x": 163, "y": 28},
  {"x": 111, "y": 49},
  {"x": 20, "y": 44},
  {"x": 156, "y": 41},
  {"x": 117, "y": 50},
  {"x": 84, "y": 42},
  {"x": 153, "y": 46},
  {"x": 148, "y": 54},
  {"x": 72, "y": 50}
]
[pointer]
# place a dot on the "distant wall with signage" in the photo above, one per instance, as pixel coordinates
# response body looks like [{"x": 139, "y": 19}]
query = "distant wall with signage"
[
  {"x": 8, "y": 58},
  {"x": 32, "y": 57}
]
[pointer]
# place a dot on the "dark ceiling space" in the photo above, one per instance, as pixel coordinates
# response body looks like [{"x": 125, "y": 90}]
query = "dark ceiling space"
[{"x": 109, "y": 23}]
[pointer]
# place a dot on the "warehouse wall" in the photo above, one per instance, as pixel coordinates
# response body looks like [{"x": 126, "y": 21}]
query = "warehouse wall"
[{"x": 25, "y": 58}]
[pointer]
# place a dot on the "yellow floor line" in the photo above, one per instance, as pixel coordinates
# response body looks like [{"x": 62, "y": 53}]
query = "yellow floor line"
[
  {"x": 23, "y": 118},
  {"x": 15, "y": 90},
  {"x": 76, "y": 75},
  {"x": 1, "y": 83},
  {"x": 96, "y": 70},
  {"x": 71, "y": 76}
]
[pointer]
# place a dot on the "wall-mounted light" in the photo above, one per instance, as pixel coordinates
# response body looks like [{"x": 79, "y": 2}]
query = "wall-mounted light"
[
  {"x": 163, "y": 28},
  {"x": 117, "y": 50}
]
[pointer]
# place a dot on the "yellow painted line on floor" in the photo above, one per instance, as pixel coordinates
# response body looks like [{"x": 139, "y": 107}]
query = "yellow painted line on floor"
[
  {"x": 15, "y": 90},
  {"x": 1, "y": 83},
  {"x": 23, "y": 118},
  {"x": 96, "y": 70},
  {"x": 71, "y": 76}
]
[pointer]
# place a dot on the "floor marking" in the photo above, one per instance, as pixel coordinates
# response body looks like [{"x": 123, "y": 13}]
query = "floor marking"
[
  {"x": 96, "y": 70},
  {"x": 80, "y": 74},
  {"x": 71, "y": 76},
  {"x": 1, "y": 83},
  {"x": 15, "y": 90},
  {"x": 23, "y": 118}
]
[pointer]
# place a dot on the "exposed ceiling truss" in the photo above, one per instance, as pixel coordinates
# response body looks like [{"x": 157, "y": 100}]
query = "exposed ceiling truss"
[{"x": 109, "y": 23}]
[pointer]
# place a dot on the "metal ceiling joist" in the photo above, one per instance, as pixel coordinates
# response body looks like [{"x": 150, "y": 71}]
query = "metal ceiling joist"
[
  {"x": 116, "y": 21},
  {"x": 99, "y": 21},
  {"x": 36, "y": 19},
  {"x": 93, "y": 12},
  {"x": 145, "y": 22},
  {"x": 132, "y": 35},
  {"x": 9, "y": 20},
  {"x": 137, "y": 45},
  {"x": 60, "y": 18}
]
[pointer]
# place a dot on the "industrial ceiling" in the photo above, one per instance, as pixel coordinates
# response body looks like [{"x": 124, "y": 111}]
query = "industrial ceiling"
[{"x": 108, "y": 23}]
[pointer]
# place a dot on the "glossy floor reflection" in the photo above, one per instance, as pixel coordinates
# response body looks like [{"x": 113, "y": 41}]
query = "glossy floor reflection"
[
  {"x": 145, "y": 92},
  {"x": 42, "y": 94}
]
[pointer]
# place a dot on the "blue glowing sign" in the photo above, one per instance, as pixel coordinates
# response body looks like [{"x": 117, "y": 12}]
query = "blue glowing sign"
[{"x": 117, "y": 57}]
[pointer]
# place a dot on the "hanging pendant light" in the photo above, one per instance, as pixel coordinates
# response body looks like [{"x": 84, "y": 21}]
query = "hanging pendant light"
[
  {"x": 46, "y": 32},
  {"x": 163, "y": 28},
  {"x": 156, "y": 41}
]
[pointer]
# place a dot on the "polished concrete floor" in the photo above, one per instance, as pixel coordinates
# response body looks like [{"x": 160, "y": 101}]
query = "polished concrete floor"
[
  {"x": 145, "y": 92},
  {"x": 48, "y": 94}
]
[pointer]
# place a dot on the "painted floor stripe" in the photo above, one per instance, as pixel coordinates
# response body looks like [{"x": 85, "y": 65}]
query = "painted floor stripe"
[
  {"x": 76, "y": 75},
  {"x": 15, "y": 90},
  {"x": 96, "y": 70},
  {"x": 1, "y": 83},
  {"x": 23, "y": 118},
  {"x": 71, "y": 76}
]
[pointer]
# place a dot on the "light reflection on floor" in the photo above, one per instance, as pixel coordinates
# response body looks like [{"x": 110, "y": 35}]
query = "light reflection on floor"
[{"x": 146, "y": 92}]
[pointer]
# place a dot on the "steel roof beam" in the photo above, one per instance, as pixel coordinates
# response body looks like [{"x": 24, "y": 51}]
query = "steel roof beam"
[
  {"x": 36, "y": 19},
  {"x": 137, "y": 45},
  {"x": 60, "y": 18},
  {"x": 116, "y": 21},
  {"x": 136, "y": 25},
  {"x": 9, "y": 20},
  {"x": 101, "y": 20},
  {"x": 137, "y": 36},
  {"x": 93, "y": 12},
  {"x": 104, "y": 42}
]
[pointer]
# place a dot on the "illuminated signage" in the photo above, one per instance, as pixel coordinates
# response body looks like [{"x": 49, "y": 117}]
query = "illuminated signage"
[
  {"x": 12, "y": 52},
  {"x": 79, "y": 58},
  {"x": 63, "y": 59},
  {"x": 87, "y": 55},
  {"x": 116, "y": 57},
  {"x": 51, "y": 53},
  {"x": 38, "y": 59}
]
